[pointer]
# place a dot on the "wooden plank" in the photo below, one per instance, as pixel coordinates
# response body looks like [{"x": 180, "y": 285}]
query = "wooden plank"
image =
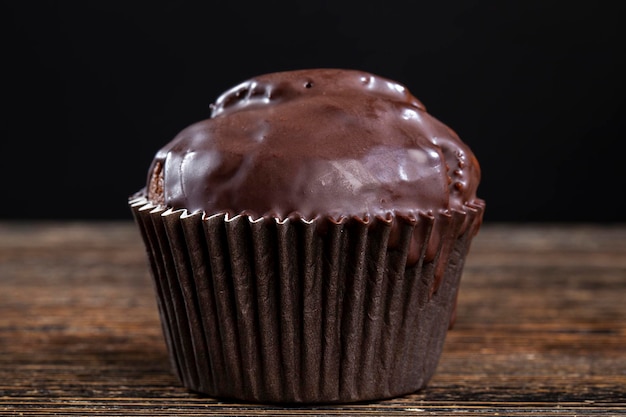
[{"x": 541, "y": 328}]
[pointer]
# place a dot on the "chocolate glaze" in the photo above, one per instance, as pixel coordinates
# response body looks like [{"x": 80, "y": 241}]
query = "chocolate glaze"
[{"x": 319, "y": 142}]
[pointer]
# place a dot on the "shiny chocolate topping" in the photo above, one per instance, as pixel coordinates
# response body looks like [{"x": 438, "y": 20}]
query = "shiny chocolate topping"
[{"x": 319, "y": 142}]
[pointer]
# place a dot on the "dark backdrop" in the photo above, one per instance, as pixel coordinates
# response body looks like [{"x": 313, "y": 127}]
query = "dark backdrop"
[{"x": 92, "y": 89}]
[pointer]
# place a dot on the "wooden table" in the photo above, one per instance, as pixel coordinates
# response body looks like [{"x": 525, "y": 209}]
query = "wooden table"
[{"x": 541, "y": 328}]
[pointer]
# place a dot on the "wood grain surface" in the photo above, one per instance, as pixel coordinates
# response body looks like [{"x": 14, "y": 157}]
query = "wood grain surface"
[{"x": 541, "y": 328}]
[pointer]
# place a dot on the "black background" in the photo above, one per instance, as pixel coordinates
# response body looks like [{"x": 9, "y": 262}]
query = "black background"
[{"x": 92, "y": 89}]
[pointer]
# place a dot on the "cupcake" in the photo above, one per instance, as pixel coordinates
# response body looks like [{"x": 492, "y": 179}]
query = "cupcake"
[{"x": 307, "y": 240}]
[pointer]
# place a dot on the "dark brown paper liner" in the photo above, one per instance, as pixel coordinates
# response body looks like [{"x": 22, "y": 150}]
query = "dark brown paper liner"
[{"x": 296, "y": 311}]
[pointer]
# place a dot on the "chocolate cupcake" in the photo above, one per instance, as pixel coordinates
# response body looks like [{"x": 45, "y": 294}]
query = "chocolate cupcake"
[{"x": 307, "y": 240}]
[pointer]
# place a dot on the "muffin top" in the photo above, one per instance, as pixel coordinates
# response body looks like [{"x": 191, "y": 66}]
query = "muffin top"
[{"x": 317, "y": 142}]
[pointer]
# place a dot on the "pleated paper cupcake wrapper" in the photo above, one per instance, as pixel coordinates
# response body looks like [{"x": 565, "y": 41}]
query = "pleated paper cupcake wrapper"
[{"x": 288, "y": 311}]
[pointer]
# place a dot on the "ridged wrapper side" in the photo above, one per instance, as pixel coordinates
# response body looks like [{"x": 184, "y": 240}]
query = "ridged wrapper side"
[{"x": 305, "y": 311}]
